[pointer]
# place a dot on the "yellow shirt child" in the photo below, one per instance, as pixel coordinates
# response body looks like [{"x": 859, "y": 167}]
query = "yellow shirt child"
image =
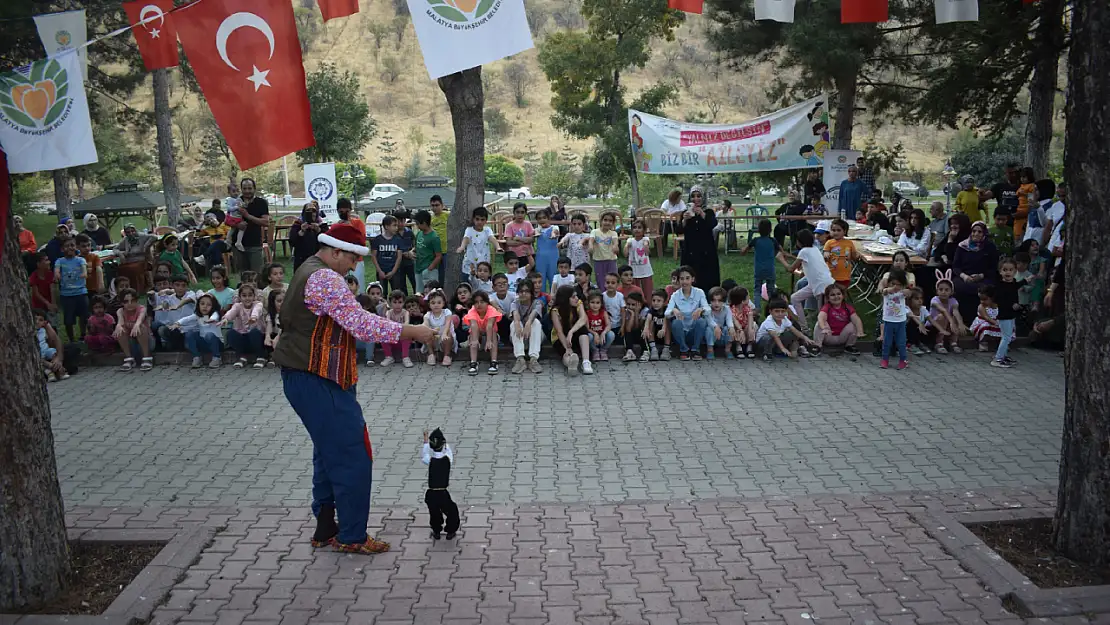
[{"x": 967, "y": 202}]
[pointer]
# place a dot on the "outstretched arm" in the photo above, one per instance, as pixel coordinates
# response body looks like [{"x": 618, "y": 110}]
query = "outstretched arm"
[{"x": 326, "y": 293}]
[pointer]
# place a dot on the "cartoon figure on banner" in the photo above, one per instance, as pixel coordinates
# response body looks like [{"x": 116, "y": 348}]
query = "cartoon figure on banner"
[
  {"x": 639, "y": 157},
  {"x": 820, "y": 117},
  {"x": 807, "y": 152}
]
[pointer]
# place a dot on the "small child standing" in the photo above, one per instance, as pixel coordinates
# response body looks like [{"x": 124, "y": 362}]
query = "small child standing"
[
  {"x": 397, "y": 314},
  {"x": 71, "y": 271},
  {"x": 627, "y": 285},
  {"x": 100, "y": 328},
  {"x": 582, "y": 282},
  {"x": 767, "y": 249},
  {"x": 1007, "y": 298},
  {"x": 1027, "y": 196},
  {"x": 366, "y": 348},
  {"x": 639, "y": 260},
  {"x": 519, "y": 236},
  {"x": 273, "y": 322},
  {"x": 604, "y": 246},
  {"x": 657, "y": 330},
  {"x": 547, "y": 247},
  {"x": 563, "y": 277},
  {"x": 634, "y": 328},
  {"x": 894, "y": 319},
  {"x": 576, "y": 242},
  {"x": 438, "y": 456},
  {"x": 476, "y": 242}
]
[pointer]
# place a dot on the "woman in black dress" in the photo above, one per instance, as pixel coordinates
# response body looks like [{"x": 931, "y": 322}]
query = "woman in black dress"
[
  {"x": 699, "y": 249},
  {"x": 303, "y": 233}
]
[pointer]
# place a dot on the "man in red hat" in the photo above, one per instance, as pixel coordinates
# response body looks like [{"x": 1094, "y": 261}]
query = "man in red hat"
[{"x": 320, "y": 322}]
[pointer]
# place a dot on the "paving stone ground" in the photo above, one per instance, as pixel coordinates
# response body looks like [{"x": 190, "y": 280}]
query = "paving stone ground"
[
  {"x": 674, "y": 492},
  {"x": 659, "y": 431}
]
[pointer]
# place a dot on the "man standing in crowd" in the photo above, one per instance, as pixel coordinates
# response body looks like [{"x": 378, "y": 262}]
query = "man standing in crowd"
[
  {"x": 321, "y": 321},
  {"x": 255, "y": 212},
  {"x": 939, "y": 223},
  {"x": 852, "y": 192},
  {"x": 867, "y": 175},
  {"x": 343, "y": 208},
  {"x": 813, "y": 186},
  {"x": 1006, "y": 194},
  {"x": 439, "y": 224}
]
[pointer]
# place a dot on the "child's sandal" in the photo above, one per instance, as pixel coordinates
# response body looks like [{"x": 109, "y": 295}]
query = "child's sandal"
[
  {"x": 446, "y": 361},
  {"x": 242, "y": 362},
  {"x": 147, "y": 364},
  {"x": 128, "y": 364}
]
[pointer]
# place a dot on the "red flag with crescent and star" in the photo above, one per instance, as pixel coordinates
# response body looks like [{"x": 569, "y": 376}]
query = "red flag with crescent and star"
[
  {"x": 689, "y": 6},
  {"x": 332, "y": 9},
  {"x": 864, "y": 11},
  {"x": 247, "y": 60},
  {"x": 152, "y": 25}
]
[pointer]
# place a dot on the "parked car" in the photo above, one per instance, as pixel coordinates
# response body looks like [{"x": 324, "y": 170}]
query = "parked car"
[
  {"x": 522, "y": 193},
  {"x": 771, "y": 191},
  {"x": 382, "y": 191},
  {"x": 908, "y": 188}
]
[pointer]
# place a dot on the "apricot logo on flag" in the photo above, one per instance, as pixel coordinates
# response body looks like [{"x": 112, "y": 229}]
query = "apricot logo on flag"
[
  {"x": 462, "y": 14},
  {"x": 35, "y": 98}
]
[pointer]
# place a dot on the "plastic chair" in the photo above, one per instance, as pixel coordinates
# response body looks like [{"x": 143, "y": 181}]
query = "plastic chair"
[
  {"x": 653, "y": 218},
  {"x": 374, "y": 224},
  {"x": 755, "y": 210},
  {"x": 282, "y": 232}
]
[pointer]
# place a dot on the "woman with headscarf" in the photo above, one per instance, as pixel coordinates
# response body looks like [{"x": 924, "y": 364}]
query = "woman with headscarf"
[
  {"x": 134, "y": 254},
  {"x": 975, "y": 265},
  {"x": 558, "y": 210},
  {"x": 959, "y": 228},
  {"x": 303, "y": 233},
  {"x": 699, "y": 249},
  {"x": 53, "y": 248},
  {"x": 100, "y": 236}
]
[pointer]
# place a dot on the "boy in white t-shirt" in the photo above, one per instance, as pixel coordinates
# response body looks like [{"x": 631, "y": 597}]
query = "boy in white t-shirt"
[
  {"x": 613, "y": 300},
  {"x": 476, "y": 242},
  {"x": 818, "y": 277},
  {"x": 514, "y": 272},
  {"x": 777, "y": 333},
  {"x": 564, "y": 277}
]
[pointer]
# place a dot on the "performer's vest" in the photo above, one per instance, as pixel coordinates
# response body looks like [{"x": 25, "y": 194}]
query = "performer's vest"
[
  {"x": 312, "y": 343},
  {"x": 439, "y": 472}
]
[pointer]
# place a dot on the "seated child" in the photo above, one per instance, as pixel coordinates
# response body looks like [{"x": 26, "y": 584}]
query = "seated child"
[
  {"x": 917, "y": 331},
  {"x": 50, "y": 348},
  {"x": 202, "y": 331},
  {"x": 440, "y": 319},
  {"x": 100, "y": 328},
  {"x": 944, "y": 316},
  {"x": 657, "y": 330},
  {"x": 838, "y": 323},
  {"x": 614, "y": 303},
  {"x": 482, "y": 320},
  {"x": 273, "y": 321},
  {"x": 777, "y": 333},
  {"x": 583, "y": 280},
  {"x": 460, "y": 305},
  {"x": 133, "y": 331},
  {"x": 273, "y": 279},
  {"x": 568, "y": 319},
  {"x": 673, "y": 286},
  {"x": 352, "y": 283},
  {"x": 743, "y": 321},
  {"x": 634, "y": 328},
  {"x": 526, "y": 328},
  {"x": 564, "y": 277},
  {"x": 481, "y": 280},
  {"x": 439, "y": 458},
  {"x": 397, "y": 314},
  {"x": 247, "y": 320},
  {"x": 720, "y": 331},
  {"x": 986, "y": 320},
  {"x": 599, "y": 326},
  {"x": 502, "y": 299}
]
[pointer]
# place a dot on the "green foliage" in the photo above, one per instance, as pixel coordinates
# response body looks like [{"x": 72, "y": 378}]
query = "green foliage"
[
  {"x": 498, "y": 129},
  {"x": 653, "y": 189},
  {"x": 348, "y": 187},
  {"x": 119, "y": 155},
  {"x": 443, "y": 159},
  {"x": 585, "y": 69},
  {"x": 387, "y": 152},
  {"x": 502, "y": 174},
  {"x": 216, "y": 158},
  {"x": 554, "y": 175},
  {"x": 26, "y": 189},
  {"x": 341, "y": 121},
  {"x": 985, "y": 158},
  {"x": 414, "y": 169},
  {"x": 309, "y": 25},
  {"x": 518, "y": 78}
]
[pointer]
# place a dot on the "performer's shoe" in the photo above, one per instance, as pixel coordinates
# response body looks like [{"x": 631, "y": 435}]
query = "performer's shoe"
[
  {"x": 369, "y": 547},
  {"x": 435, "y": 535},
  {"x": 326, "y": 528},
  {"x": 451, "y": 535}
]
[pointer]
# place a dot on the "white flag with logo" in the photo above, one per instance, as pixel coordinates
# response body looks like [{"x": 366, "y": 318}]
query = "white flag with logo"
[
  {"x": 319, "y": 185},
  {"x": 61, "y": 32},
  {"x": 44, "y": 116},
  {"x": 777, "y": 10},
  {"x": 957, "y": 11},
  {"x": 459, "y": 34}
]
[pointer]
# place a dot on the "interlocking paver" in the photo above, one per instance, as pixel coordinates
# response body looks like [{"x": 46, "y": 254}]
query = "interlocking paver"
[{"x": 180, "y": 438}]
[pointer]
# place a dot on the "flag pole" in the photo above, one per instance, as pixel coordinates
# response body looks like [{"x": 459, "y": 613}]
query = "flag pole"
[{"x": 285, "y": 177}]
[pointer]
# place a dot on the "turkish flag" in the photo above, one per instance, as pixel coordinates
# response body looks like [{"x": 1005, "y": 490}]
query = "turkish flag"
[
  {"x": 689, "y": 6},
  {"x": 863, "y": 11},
  {"x": 337, "y": 8},
  {"x": 156, "y": 36},
  {"x": 247, "y": 60}
]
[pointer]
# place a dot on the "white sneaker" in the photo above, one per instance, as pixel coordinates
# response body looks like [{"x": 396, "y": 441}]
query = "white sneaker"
[
  {"x": 407, "y": 362},
  {"x": 215, "y": 364},
  {"x": 629, "y": 356},
  {"x": 388, "y": 360},
  {"x": 587, "y": 368},
  {"x": 370, "y": 363},
  {"x": 196, "y": 362},
  {"x": 239, "y": 246}
]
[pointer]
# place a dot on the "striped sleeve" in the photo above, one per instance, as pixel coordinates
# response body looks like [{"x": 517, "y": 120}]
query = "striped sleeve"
[{"x": 326, "y": 294}]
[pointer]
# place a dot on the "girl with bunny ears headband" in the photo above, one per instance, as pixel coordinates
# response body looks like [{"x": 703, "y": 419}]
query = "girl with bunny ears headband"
[{"x": 944, "y": 316}]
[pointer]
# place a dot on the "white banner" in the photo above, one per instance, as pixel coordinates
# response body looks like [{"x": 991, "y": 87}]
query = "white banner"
[
  {"x": 835, "y": 171},
  {"x": 61, "y": 32},
  {"x": 44, "y": 116},
  {"x": 793, "y": 138},
  {"x": 776, "y": 10},
  {"x": 319, "y": 185},
  {"x": 957, "y": 11},
  {"x": 459, "y": 34}
]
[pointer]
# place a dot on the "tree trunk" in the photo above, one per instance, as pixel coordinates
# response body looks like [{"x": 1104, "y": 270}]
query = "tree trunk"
[
  {"x": 634, "y": 180},
  {"x": 79, "y": 180},
  {"x": 1042, "y": 90},
  {"x": 61, "y": 194},
  {"x": 847, "y": 86},
  {"x": 1082, "y": 527},
  {"x": 466, "y": 100},
  {"x": 34, "y": 558},
  {"x": 163, "y": 122}
]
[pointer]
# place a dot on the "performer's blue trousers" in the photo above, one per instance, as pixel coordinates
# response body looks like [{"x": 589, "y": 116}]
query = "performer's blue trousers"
[{"x": 342, "y": 459}]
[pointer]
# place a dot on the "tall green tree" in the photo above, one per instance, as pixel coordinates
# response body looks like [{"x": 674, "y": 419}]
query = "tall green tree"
[
  {"x": 387, "y": 153},
  {"x": 502, "y": 174},
  {"x": 852, "y": 62},
  {"x": 586, "y": 69},
  {"x": 554, "y": 175},
  {"x": 341, "y": 121}
]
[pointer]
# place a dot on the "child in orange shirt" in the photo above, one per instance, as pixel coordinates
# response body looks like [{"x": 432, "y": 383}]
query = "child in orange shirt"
[
  {"x": 840, "y": 252},
  {"x": 1027, "y": 196}
]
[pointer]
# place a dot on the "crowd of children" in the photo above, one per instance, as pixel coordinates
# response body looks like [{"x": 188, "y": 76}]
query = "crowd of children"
[{"x": 566, "y": 289}]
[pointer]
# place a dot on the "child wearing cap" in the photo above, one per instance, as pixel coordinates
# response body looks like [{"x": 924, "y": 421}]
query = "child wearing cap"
[
  {"x": 438, "y": 456},
  {"x": 840, "y": 252}
]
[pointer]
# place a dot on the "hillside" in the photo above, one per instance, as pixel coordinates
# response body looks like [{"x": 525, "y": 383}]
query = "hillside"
[{"x": 406, "y": 102}]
